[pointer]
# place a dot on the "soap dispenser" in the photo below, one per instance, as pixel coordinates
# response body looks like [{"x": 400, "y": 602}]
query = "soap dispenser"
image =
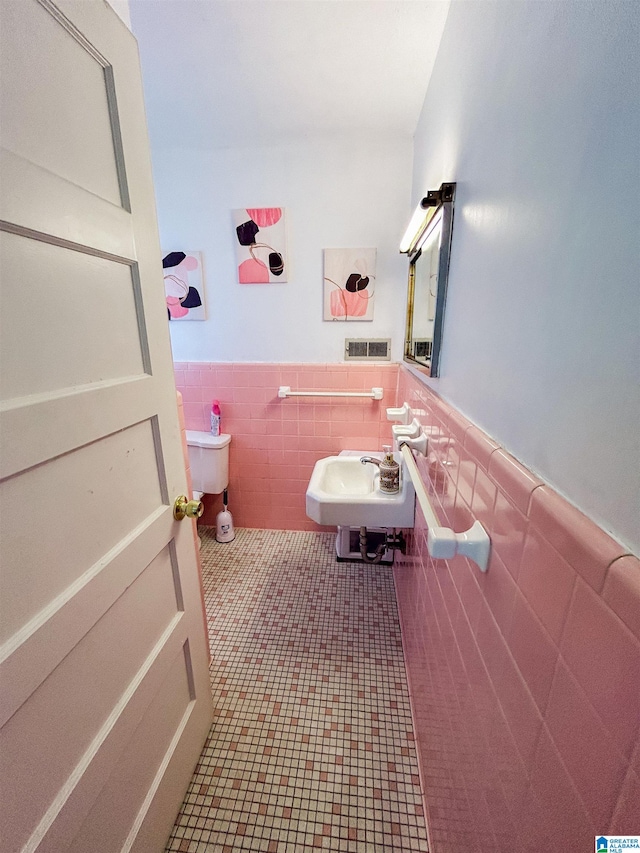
[{"x": 389, "y": 472}]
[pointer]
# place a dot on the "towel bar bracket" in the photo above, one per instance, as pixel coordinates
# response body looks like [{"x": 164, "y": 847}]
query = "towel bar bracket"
[{"x": 443, "y": 543}]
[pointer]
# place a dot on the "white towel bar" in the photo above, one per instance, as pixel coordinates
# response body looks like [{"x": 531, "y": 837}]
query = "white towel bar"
[
  {"x": 285, "y": 391},
  {"x": 442, "y": 542}
]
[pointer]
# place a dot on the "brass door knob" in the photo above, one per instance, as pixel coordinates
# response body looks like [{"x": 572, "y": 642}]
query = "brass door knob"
[{"x": 182, "y": 507}]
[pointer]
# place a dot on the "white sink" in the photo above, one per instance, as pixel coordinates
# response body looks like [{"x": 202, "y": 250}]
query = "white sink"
[{"x": 344, "y": 491}]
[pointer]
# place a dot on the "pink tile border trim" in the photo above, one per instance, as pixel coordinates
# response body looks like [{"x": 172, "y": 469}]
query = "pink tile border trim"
[
  {"x": 622, "y": 591},
  {"x": 480, "y": 445},
  {"x": 516, "y": 481},
  {"x": 581, "y": 542}
]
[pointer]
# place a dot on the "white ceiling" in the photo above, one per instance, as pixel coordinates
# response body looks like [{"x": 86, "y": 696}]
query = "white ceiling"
[{"x": 222, "y": 73}]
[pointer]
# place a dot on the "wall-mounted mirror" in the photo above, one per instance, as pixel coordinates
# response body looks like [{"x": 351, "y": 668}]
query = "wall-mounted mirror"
[{"x": 428, "y": 244}]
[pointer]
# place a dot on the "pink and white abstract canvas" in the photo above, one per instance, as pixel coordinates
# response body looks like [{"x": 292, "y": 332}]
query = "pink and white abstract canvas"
[
  {"x": 261, "y": 243},
  {"x": 184, "y": 286},
  {"x": 349, "y": 284}
]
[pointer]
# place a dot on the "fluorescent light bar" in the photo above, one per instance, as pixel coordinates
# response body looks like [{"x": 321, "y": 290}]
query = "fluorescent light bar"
[
  {"x": 414, "y": 226},
  {"x": 430, "y": 234}
]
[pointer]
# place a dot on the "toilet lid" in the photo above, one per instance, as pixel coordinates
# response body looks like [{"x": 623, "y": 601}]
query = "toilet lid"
[{"x": 195, "y": 438}]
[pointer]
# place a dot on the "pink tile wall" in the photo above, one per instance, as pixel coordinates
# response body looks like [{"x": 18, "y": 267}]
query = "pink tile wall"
[
  {"x": 276, "y": 442},
  {"x": 525, "y": 680}
]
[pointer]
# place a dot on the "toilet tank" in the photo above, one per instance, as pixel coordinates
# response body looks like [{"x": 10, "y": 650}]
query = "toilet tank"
[{"x": 208, "y": 460}]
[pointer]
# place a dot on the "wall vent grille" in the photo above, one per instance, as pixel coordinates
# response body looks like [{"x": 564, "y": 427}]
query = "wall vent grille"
[
  {"x": 367, "y": 349},
  {"x": 422, "y": 348}
]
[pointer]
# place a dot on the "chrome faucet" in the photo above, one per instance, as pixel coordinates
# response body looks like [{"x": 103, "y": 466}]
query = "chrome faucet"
[{"x": 365, "y": 459}]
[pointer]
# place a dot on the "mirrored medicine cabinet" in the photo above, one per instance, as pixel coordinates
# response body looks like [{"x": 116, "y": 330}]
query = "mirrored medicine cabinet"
[{"x": 428, "y": 244}]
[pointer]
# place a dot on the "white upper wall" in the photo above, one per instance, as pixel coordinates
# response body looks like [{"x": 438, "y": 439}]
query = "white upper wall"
[
  {"x": 533, "y": 110},
  {"x": 310, "y": 106},
  {"x": 350, "y": 193}
]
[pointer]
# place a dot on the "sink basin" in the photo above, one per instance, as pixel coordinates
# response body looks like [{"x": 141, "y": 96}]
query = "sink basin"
[{"x": 343, "y": 491}]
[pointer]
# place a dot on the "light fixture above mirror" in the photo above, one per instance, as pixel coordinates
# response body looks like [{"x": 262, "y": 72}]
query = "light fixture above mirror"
[{"x": 427, "y": 242}]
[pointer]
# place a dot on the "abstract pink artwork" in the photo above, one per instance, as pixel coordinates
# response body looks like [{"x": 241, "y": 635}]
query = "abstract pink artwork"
[
  {"x": 184, "y": 286},
  {"x": 349, "y": 284},
  {"x": 260, "y": 245}
]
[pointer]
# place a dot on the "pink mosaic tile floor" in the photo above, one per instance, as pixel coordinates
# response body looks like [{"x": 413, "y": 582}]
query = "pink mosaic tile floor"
[{"x": 312, "y": 744}]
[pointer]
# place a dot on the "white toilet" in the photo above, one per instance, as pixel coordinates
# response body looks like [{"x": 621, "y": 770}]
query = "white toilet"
[{"x": 209, "y": 462}]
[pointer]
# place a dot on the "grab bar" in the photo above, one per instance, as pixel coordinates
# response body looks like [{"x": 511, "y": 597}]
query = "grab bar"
[
  {"x": 442, "y": 542},
  {"x": 285, "y": 391}
]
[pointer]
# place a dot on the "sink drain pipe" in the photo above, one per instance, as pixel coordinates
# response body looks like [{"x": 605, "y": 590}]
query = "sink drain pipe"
[
  {"x": 382, "y": 547},
  {"x": 392, "y": 541}
]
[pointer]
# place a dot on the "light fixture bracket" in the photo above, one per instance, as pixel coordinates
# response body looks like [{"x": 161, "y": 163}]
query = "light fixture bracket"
[{"x": 432, "y": 200}]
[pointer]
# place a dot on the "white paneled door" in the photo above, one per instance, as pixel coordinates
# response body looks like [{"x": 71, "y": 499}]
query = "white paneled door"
[{"x": 104, "y": 692}]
